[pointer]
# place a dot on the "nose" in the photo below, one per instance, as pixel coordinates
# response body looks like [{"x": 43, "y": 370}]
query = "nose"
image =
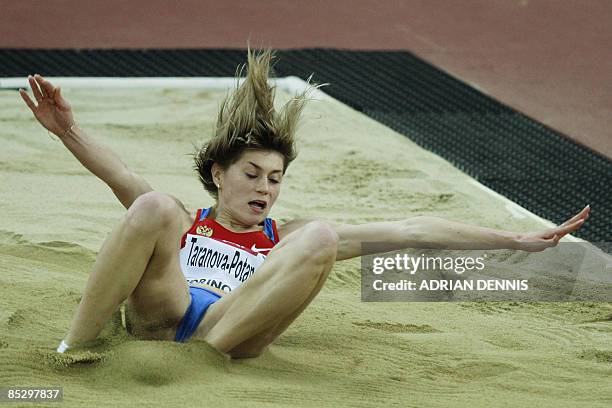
[{"x": 263, "y": 185}]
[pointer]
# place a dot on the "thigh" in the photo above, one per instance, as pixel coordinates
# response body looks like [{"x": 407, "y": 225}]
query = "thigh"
[
  {"x": 280, "y": 286},
  {"x": 159, "y": 301},
  {"x": 255, "y": 283}
]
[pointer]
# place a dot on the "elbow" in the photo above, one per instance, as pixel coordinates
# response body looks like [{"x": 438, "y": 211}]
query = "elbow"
[{"x": 420, "y": 231}]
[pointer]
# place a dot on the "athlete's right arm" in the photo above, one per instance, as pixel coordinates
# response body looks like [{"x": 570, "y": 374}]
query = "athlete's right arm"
[
  {"x": 55, "y": 114},
  {"x": 106, "y": 164}
]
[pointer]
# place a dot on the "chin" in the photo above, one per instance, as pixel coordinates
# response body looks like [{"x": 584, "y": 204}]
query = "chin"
[{"x": 261, "y": 217}]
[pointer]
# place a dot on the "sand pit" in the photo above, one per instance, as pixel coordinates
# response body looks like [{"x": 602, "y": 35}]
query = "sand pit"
[{"x": 341, "y": 351}]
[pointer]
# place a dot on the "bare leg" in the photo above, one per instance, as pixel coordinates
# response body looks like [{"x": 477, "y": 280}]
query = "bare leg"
[
  {"x": 256, "y": 345},
  {"x": 281, "y": 288},
  {"x": 138, "y": 259}
]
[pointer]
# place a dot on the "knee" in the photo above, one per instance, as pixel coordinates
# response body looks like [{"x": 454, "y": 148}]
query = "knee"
[
  {"x": 152, "y": 210},
  {"x": 321, "y": 241}
]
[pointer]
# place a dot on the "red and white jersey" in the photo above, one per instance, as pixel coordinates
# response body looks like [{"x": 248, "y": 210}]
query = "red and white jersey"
[{"x": 211, "y": 255}]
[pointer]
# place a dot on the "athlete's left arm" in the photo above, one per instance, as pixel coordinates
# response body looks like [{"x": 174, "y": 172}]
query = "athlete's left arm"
[{"x": 438, "y": 233}]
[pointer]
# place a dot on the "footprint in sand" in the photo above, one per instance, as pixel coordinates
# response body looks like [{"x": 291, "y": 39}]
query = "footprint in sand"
[
  {"x": 469, "y": 371},
  {"x": 21, "y": 317},
  {"x": 9, "y": 237},
  {"x": 52, "y": 252},
  {"x": 397, "y": 327}
]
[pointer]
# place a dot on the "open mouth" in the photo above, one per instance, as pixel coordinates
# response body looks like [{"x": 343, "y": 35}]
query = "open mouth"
[{"x": 258, "y": 205}]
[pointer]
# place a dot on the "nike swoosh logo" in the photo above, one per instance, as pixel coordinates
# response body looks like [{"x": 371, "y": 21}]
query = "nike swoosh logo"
[{"x": 255, "y": 249}]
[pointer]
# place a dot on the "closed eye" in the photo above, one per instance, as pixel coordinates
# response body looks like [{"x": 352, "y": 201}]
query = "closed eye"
[{"x": 251, "y": 176}]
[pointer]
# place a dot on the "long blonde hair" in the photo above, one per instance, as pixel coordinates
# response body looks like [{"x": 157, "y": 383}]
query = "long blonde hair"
[{"x": 247, "y": 120}]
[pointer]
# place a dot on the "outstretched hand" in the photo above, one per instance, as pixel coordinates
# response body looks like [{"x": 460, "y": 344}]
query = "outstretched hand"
[
  {"x": 539, "y": 241},
  {"x": 51, "y": 110}
]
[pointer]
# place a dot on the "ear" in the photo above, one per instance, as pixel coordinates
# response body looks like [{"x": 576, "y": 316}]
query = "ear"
[{"x": 217, "y": 172}]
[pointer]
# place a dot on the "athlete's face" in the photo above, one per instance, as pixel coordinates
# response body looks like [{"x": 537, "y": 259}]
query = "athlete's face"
[{"x": 250, "y": 186}]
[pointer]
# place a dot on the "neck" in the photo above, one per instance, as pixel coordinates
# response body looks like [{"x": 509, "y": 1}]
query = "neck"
[{"x": 225, "y": 218}]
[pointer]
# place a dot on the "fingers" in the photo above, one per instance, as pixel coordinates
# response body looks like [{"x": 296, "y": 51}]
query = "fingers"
[
  {"x": 551, "y": 237},
  {"x": 45, "y": 86},
  {"x": 27, "y": 100},
  {"x": 584, "y": 214},
  {"x": 43, "y": 91},
  {"x": 60, "y": 101},
  {"x": 569, "y": 228},
  {"x": 57, "y": 97},
  {"x": 35, "y": 89},
  {"x": 574, "y": 223}
]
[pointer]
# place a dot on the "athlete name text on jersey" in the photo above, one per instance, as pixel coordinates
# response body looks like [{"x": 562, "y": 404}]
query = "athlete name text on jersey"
[{"x": 214, "y": 256}]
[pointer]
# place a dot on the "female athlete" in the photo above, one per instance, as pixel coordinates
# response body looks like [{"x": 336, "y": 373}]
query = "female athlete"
[{"x": 229, "y": 275}]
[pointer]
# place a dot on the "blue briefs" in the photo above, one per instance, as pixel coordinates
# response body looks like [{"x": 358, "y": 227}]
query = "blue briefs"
[{"x": 201, "y": 299}]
